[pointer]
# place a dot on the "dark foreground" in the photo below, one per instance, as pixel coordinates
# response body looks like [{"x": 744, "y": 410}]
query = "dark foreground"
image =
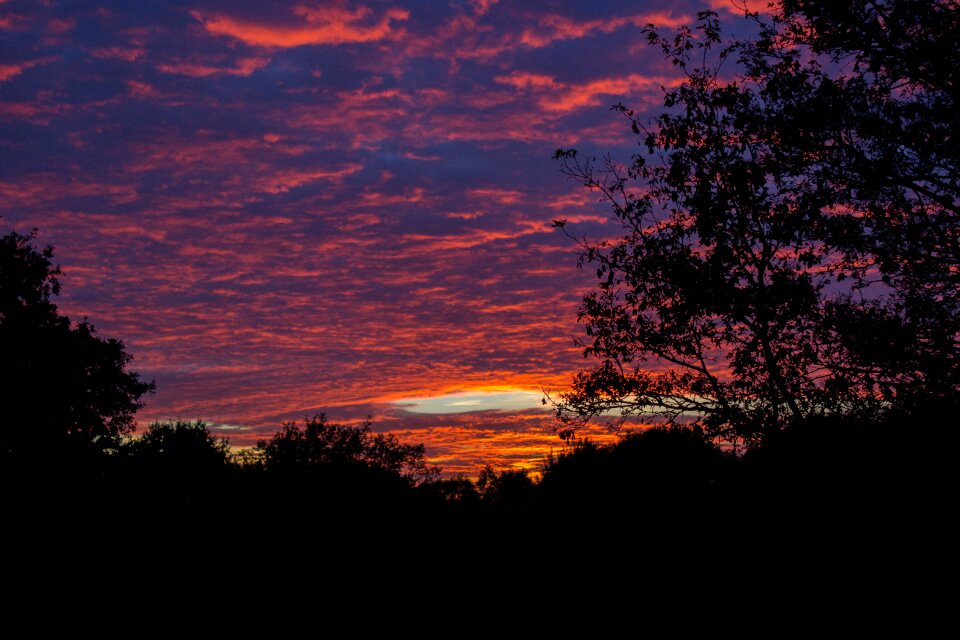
[{"x": 860, "y": 498}]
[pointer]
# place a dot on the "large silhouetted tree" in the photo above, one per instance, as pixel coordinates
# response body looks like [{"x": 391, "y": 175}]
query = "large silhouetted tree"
[
  {"x": 62, "y": 387},
  {"x": 789, "y": 241},
  {"x": 874, "y": 131}
]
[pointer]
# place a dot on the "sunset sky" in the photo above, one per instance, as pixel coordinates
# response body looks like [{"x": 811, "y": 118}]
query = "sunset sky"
[{"x": 288, "y": 208}]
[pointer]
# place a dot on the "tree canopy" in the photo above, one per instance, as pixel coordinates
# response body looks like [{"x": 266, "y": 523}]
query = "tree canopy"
[
  {"x": 320, "y": 443},
  {"x": 184, "y": 447},
  {"x": 61, "y": 385},
  {"x": 789, "y": 245}
]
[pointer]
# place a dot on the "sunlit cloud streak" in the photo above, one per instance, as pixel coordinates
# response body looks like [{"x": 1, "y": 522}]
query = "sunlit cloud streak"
[
  {"x": 314, "y": 25},
  {"x": 290, "y": 208}
]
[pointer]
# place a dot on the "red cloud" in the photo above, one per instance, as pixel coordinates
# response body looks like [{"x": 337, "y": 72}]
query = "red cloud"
[
  {"x": 283, "y": 181},
  {"x": 552, "y": 28},
  {"x": 563, "y": 97},
  {"x": 243, "y": 67},
  {"x": 319, "y": 25}
]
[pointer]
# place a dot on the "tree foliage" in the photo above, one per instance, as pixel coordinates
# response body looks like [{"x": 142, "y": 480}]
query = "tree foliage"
[
  {"x": 61, "y": 385},
  {"x": 789, "y": 240},
  {"x": 180, "y": 447},
  {"x": 319, "y": 443}
]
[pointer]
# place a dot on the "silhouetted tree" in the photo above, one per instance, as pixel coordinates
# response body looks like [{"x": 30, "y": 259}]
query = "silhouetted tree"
[
  {"x": 873, "y": 131},
  {"x": 457, "y": 489},
  {"x": 178, "y": 447},
  {"x": 62, "y": 387},
  {"x": 319, "y": 443},
  {"x": 792, "y": 247},
  {"x": 505, "y": 487}
]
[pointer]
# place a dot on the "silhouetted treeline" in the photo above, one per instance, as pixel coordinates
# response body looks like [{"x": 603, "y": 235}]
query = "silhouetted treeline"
[{"x": 324, "y": 493}]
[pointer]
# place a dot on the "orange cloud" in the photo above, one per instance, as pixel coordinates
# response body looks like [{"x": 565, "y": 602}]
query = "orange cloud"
[
  {"x": 320, "y": 25},
  {"x": 503, "y": 196},
  {"x": 739, "y": 7}
]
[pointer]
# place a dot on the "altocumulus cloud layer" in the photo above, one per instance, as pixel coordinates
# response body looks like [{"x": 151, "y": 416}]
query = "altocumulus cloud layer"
[{"x": 284, "y": 208}]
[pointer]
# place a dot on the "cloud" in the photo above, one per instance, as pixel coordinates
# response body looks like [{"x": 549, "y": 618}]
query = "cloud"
[
  {"x": 128, "y": 54},
  {"x": 284, "y": 181},
  {"x": 556, "y": 96},
  {"x": 739, "y": 7},
  {"x": 60, "y": 26},
  {"x": 479, "y": 400},
  {"x": 243, "y": 67},
  {"x": 325, "y": 25},
  {"x": 555, "y": 27},
  {"x": 481, "y": 7},
  {"x": 10, "y": 71}
]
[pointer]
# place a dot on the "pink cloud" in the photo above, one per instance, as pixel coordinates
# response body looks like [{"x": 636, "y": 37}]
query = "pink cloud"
[
  {"x": 10, "y": 71},
  {"x": 481, "y": 7},
  {"x": 284, "y": 181},
  {"x": 128, "y": 54},
  {"x": 45, "y": 189},
  {"x": 60, "y": 25},
  {"x": 142, "y": 90},
  {"x": 243, "y": 67}
]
